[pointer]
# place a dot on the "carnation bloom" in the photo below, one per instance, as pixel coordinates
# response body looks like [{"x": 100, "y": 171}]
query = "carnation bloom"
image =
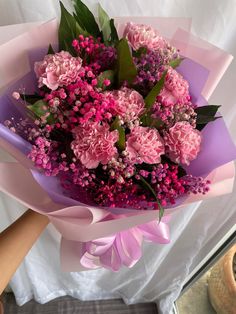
[
  {"x": 94, "y": 143},
  {"x": 59, "y": 69},
  {"x": 140, "y": 35},
  {"x": 182, "y": 143},
  {"x": 175, "y": 90},
  {"x": 129, "y": 104},
  {"x": 144, "y": 145}
]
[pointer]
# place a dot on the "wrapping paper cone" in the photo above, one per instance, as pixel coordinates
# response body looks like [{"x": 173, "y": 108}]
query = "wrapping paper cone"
[{"x": 93, "y": 236}]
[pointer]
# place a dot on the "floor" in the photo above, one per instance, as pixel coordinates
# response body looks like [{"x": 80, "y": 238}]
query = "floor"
[
  {"x": 68, "y": 305},
  {"x": 195, "y": 300}
]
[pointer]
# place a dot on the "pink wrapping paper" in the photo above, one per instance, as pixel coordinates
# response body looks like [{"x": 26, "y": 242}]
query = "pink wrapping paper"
[{"x": 82, "y": 223}]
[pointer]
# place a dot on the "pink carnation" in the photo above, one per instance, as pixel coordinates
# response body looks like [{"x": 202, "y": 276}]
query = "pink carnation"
[
  {"x": 140, "y": 35},
  {"x": 94, "y": 143},
  {"x": 144, "y": 145},
  {"x": 182, "y": 143},
  {"x": 175, "y": 90},
  {"x": 129, "y": 104},
  {"x": 60, "y": 69}
]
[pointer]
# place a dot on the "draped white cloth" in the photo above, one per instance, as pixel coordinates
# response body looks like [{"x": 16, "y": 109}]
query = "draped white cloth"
[{"x": 195, "y": 230}]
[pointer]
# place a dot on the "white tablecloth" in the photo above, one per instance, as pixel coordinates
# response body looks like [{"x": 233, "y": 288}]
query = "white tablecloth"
[{"x": 195, "y": 230}]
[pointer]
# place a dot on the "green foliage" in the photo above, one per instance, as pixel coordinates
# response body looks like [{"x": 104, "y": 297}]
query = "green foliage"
[
  {"x": 126, "y": 69},
  {"x": 148, "y": 187},
  {"x": 67, "y": 30},
  {"x": 114, "y": 34},
  {"x": 155, "y": 91},
  {"x": 176, "y": 62},
  {"x": 85, "y": 19},
  {"x": 39, "y": 109},
  {"x": 50, "y": 50},
  {"x": 116, "y": 126},
  {"x": 30, "y": 99},
  {"x": 141, "y": 51},
  {"x": 206, "y": 114},
  {"x": 110, "y": 75},
  {"x": 104, "y": 22}
]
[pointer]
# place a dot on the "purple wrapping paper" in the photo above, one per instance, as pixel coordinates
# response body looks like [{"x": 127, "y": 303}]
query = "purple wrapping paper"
[{"x": 217, "y": 145}]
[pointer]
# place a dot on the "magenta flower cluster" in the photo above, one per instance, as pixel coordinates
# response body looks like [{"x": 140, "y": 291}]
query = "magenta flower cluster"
[{"x": 100, "y": 137}]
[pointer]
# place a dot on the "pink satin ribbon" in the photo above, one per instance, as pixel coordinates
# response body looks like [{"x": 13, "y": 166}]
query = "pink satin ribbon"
[{"x": 123, "y": 248}]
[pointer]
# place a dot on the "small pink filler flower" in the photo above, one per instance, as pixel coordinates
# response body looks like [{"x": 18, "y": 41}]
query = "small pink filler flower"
[
  {"x": 60, "y": 69},
  {"x": 140, "y": 35},
  {"x": 182, "y": 143},
  {"x": 129, "y": 104},
  {"x": 94, "y": 144},
  {"x": 144, "y": 145}
]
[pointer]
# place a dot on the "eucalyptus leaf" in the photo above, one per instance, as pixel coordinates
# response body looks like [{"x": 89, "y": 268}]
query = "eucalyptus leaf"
[
  {"x": 126, "y": 69},
  {"x": 104, "y": 22},
  {"x": 176, "y": 62},
  {"x": 155, "y": 91},
  {"x": 86, "y": 19},
  {"x": 109, "y": 75},
  {"x": 116, "y": 126}
]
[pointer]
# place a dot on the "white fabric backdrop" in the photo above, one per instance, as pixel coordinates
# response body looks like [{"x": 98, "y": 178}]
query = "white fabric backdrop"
[{"x": 195, "y": 230}]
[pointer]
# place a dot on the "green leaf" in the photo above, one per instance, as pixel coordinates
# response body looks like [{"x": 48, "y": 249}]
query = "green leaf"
[
  {"x": 147, "y": 120},
  {"x": 176, "y": 62},
  {"x": 67, "y": 30},
  {"x": 86, "y": 19},
  {"x": 155, "y": 91},
  {"x": 201, "y": 119},
  {"x": 116, "y": 126},
  {"x": 150, "y": 189},
  {"x": 110, "y": 75},
  {"x": 30, "y": 99},
  {"x": 50, "y": 50},
  {"x": 39, "y": 108},
  {"x": 206, "y": 114},
  {"x": 141, "y": 51},
  {"x": 114, "y": 34},
  {"x": 104, "y": 22},
  {"x": 126, "y": 69},
  {"x": 209, "y": 110}
]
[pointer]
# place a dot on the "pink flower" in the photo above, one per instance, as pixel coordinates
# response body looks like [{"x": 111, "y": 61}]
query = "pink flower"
[
  {"x": 139, "y": 35},
  {"x": 129, "y": 104},
  {"x": 182, "y": 143},
  {"x": 60, "y": 69},
  {"x": 175, "y": 90},
  {"x": 144, "y": 145},
  {"x": 94, "y": 143}
]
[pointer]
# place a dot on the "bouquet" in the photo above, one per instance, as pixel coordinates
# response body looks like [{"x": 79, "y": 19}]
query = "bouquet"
[{"x": 112, "y": 134}]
